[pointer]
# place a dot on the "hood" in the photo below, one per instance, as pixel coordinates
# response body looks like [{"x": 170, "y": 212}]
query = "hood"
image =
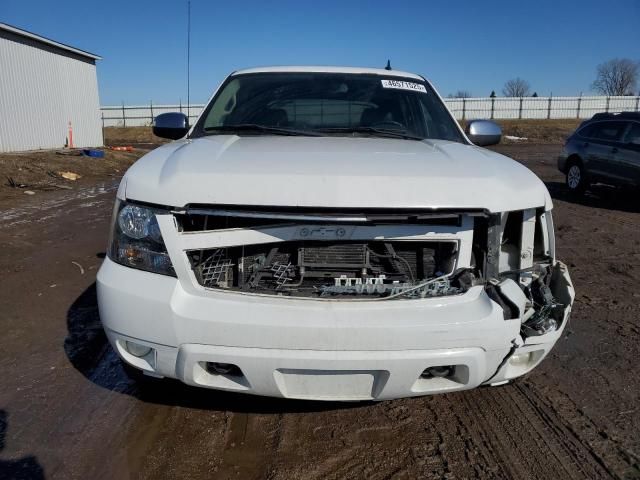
[{"x": 342, "y": 172}]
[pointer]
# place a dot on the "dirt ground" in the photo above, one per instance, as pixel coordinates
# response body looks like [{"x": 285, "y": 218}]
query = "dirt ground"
[
  {"x": 68, "y": 411},
  {"x": 42, "y": 171}
]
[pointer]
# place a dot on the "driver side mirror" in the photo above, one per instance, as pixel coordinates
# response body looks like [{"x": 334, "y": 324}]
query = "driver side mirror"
[
  {"x": 173, "y": 125},
  {"x": 483, "y": 132}
]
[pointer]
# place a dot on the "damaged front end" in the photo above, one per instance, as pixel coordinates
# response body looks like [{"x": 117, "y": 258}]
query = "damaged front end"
[
  {"x": 377, "y": 255},
  {"x": 334, "y": 256},
  {"x": 336, "y": 270}
]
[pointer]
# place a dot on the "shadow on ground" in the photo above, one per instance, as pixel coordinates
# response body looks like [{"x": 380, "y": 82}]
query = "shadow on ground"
[
  {"x": 88, "y": 350},
  {"x": 598, "y": 196},
  {"x": 25, "y": 468}
]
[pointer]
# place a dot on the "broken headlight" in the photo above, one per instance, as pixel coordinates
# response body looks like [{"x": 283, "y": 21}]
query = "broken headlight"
[{"x": 136, "y": 240}]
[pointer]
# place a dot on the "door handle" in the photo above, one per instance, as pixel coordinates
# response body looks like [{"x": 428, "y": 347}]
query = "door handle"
[{"x": 614, "y": 150}]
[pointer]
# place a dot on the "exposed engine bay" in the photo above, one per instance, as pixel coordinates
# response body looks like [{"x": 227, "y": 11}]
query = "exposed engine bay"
[
  {"x": 331, "y": 269},
  {"x": 386, "y": 256}
]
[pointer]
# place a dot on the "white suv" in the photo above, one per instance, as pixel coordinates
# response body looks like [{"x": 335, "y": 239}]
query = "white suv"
[{"x": 331, "y": 233}]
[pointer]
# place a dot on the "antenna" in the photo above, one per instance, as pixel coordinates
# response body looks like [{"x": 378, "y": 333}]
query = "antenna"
[
  {"x": 388, "y": 67},
  {"x": 188, "y": 57}
]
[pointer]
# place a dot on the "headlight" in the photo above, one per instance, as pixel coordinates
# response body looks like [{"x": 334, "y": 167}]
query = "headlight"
[{"x": 136, "y": 240}]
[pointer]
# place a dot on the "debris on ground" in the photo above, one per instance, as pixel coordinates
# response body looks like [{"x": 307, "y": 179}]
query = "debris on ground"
[
  {"x": 69, "y": 152},
  {"x": 70, "y": 176},
  {"x": 80, "y": 267},
  {"x": 38, "y": 170},
  {"x": 41, "y": 185},
  {"x": 92, "y": 152},
  {"x": 29, "y": 192}
]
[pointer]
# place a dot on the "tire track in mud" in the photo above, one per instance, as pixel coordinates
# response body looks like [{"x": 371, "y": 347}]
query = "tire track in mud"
[
  {"x": 506, "y": 432},
  {"x": 526, "y": 438},
  {"x": 250, "y": 442}
]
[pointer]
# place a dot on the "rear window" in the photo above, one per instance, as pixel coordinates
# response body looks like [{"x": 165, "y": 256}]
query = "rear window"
[
  {"x": 633, "y": 135},
  {"x": 608, "y": 131}
]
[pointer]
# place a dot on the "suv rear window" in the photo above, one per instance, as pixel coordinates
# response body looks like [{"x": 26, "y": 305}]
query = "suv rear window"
[
  {"x": 633, "y": 135},
  {"x": 608, "y": 131}
]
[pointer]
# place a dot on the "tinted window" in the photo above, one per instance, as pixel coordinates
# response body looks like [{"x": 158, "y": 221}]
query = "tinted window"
[
  {"x": 329, "y": 104},
  {"x": 586, "y": 130},
  {"x": 608, "y": 131},
  {"x": 633, "y": 134}
]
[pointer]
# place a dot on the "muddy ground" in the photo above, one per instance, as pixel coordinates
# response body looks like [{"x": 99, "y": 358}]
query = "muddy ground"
[
  {"x": 30, "y": 173},
  {"x": 68, "y": 411}
]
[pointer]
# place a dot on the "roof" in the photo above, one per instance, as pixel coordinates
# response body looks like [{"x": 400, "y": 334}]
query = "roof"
[
  {"x": 48, "y": 41},
  {"x": 319, "y": 69},
  {"x": 617, "y": 115}
]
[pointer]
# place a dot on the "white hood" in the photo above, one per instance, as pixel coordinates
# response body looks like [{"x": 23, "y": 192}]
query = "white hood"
[{"x": 341, "y": 172}]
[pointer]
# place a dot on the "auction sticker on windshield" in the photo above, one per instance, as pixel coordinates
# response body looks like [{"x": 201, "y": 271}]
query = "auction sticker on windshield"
[{"x": 402, "y": 85}]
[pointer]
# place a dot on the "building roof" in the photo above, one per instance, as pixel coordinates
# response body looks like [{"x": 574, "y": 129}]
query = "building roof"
[
  {"x": 48, "y": 41},
  {"x": 374, "y": 71}
]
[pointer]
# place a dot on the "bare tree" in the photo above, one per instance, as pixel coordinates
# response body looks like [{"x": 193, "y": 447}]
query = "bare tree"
[
  {"x": 618, "y": 76},
  {"x": 462, "y": 94},
  {"x": 516, "y": 87}
]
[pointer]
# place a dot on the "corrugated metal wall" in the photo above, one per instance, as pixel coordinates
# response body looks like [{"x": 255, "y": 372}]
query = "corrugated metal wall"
[{"x": 40, "y": 92}]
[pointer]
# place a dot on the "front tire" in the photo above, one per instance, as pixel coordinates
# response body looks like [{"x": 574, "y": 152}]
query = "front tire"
[{"x": 576, "y": 178}]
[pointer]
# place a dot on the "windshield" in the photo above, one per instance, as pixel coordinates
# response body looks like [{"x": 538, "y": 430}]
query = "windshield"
[{"x": 327, "y": 104}]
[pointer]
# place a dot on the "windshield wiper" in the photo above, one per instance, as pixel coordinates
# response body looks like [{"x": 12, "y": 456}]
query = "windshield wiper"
[
  {"x": 372, "y": 130},
  {"x": 255, "y": 128}
]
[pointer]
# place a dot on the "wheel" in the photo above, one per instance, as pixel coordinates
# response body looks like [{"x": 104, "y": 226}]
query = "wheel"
[{"x": 576, "y": 178}]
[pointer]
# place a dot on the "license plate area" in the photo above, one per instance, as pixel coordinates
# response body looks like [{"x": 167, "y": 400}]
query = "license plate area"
[{"x": 330, "y": 384}]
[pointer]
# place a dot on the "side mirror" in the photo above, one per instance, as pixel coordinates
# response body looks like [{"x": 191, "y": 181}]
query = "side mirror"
[
  {"x": 171, "y": 125},
  {"x": 483, "y": 132}
]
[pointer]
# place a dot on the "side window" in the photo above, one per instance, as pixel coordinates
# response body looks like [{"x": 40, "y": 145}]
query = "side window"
[
  {"x": 585, "y": 131},
  {"x": 633, "y": 134},
  {"x": 608, "y": 131},
  {"x": 224, "y": 106}
]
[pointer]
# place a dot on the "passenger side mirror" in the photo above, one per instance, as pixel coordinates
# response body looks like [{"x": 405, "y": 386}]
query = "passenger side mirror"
[
  {"x": 483, "y": 132},
  {"x": 173, "y": 125}
]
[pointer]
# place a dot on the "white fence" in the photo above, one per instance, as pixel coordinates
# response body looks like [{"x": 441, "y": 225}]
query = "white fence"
[
  {"x": 538, "y": 107},
  {"x": 462, "y": 109}
]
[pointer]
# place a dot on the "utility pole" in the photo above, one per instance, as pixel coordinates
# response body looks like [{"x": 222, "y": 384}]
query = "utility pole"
[{"x": 188, "y": 57}]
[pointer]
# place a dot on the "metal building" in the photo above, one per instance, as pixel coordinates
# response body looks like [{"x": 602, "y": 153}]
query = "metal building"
[{"x": 46, "y": 87}]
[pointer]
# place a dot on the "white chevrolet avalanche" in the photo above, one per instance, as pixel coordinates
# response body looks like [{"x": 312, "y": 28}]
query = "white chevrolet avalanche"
[{"x": 331, "y": 234}]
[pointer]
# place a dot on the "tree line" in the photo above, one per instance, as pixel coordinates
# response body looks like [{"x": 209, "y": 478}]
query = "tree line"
[{"x": 615, "y": 77}]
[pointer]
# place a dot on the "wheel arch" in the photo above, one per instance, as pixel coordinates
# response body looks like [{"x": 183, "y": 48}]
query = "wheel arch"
[{"x": 574, "y": 159}]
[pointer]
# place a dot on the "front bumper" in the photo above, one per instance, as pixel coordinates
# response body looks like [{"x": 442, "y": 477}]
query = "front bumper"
[{"x": 314, "y": 349}]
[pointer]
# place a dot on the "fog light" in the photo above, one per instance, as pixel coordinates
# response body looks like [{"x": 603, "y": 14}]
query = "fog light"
[
  {"x": 217, "y": 368},
  {"x": 136, "y": 349},
  {"x": 442, "y": 371},
  {"x": 521, "y": 359}
]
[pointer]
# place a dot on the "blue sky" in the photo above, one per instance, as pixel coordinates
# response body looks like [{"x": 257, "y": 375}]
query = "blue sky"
[{"x": 469, "y": 45}]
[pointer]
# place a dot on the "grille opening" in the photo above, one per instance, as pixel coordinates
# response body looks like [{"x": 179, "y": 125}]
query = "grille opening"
[{"x": 326, "y": 269}]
